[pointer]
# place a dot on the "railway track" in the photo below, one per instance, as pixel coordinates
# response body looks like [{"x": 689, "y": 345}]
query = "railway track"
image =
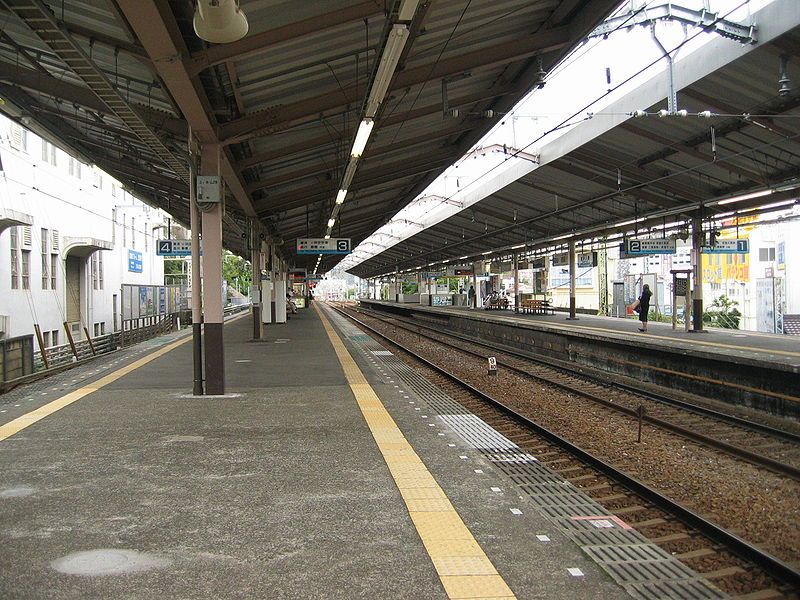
[
  {"x": 766, "y": 446},
  {"x": 740, "y": 568}
]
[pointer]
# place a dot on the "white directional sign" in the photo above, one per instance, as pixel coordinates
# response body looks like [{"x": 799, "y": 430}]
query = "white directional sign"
[
  {"x": 323, "y": 246},
  {"x": 174, "y": 247},
  {"x": 728, "y": 247},
  {"x": 649, "y": 246}
]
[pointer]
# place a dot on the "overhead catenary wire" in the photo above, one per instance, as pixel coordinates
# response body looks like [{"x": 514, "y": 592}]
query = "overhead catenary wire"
[{"x": 583, "y": 110}]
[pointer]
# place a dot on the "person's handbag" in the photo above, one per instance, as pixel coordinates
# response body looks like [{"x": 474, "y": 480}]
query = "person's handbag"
[{"x": 637, "y": 308}]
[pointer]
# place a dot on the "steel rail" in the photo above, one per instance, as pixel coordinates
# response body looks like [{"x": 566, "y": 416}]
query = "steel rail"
[{"x": 742, "y": 548}]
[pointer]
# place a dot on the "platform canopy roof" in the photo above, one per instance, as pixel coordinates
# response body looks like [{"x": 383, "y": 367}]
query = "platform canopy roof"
[
  {"x": 119, "y": 83},
  {"x": 614, "y": 174}
]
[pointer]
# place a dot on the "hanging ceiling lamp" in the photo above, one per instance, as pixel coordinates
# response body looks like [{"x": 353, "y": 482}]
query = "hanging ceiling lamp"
[{"x": 220, "y": 21}]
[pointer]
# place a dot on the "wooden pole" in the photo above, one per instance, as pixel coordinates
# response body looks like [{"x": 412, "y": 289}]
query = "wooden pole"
[
  {"x": 41, "y": 345},
  {"x": 71, "y": 341}
]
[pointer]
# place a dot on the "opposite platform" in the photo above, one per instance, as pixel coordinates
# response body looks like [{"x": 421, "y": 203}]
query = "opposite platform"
[{"x": 751, "y": 369}]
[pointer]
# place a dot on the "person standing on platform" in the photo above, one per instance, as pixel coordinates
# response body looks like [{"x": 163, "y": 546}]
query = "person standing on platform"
[
  {"x": 471, "y": 296},
  {"x": 642, "y": 306}
]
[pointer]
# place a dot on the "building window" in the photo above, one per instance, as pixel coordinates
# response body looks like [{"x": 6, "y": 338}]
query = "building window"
[
  {"x": 766, "y": 254},
  {"x": 26, "y": 269},
  {"x": 133, "y": 233},
  {"x": 46, "y": 339},
  {"x": 113, "y": 225},
  {"x": 45, "y": 151},
  {"x": 98, "y": 180},
  {"x": 55, "y": 337},
  {"x": 113, "y": 190},
  {"x": 72, "y": 162},
  {"x": 53, "y": 270},
  {"x": 145, "y": 235},
  {"x": 94, "y": 270},
  {"x": 19, "y": 138},
  {"x": 100, "y": 269},
  {"x": 96, "y": 329},
  {"x": 14, "y": 258},
  {"x": 45, "y": 259},
  {"x": 102, "y": 327}
]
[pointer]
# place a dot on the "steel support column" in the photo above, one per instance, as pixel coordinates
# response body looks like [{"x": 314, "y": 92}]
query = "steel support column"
[{"x": 516, "y": 282}]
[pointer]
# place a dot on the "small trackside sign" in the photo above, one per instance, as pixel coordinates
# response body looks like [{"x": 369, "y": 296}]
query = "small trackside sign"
[
  {"x": 492, "y": 365},
  {"x": 323, "y": 246}
]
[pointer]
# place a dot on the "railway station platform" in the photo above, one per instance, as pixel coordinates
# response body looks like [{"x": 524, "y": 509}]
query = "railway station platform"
[
  {"x": 330, "y": 470},
  {"x": 750, "y": 369}
]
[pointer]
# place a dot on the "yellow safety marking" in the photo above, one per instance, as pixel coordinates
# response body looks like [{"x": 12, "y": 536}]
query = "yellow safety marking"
[
  {"x": 48, "y": 409},
  {"x": 463, "y": 567}
]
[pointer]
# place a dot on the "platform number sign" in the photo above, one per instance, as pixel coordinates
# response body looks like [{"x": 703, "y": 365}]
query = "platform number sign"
[
  {"x": 174, "y": 247},
  {"x": 164, "y": 246},
  {"x": 492, "y": 365},
  {"x": 323, "y": 246}
]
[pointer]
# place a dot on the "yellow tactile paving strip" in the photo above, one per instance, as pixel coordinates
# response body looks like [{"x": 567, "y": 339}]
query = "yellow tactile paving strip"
[{"x": 463, "y": 567}]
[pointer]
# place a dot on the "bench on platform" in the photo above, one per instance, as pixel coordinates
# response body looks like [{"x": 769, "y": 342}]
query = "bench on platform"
[{"x": 537, "y": 307}]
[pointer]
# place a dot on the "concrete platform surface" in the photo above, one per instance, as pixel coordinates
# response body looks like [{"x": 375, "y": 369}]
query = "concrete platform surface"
[{"x": 138, "y": 490}]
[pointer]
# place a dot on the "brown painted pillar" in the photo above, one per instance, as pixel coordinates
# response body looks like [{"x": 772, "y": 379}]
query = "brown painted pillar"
[
  {"x": 197, "y": 284},
  {"x": 255, "y": 287},
  {"x": 516, "y": 282},
  {"x": 212, "y": 281},
  {"x": 697, "y": 265},
  {"x": 572, "y": 300}
]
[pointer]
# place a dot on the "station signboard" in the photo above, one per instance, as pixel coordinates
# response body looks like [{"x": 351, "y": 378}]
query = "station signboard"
[
  {"x": 174, "y": 247},
  {"x": 728, "y": 247},
  {"x": 633, "y": 247},
  {"x": 323, "y": 246},
  {"x": 297, "y": 274},
  {"x": 561, "y": 260},
  {"x": 460, "y": 270},
  {"x": 537, "y": 264},
  {"x": 134, "y": 261},
  {"x": 586, "y": 260}
]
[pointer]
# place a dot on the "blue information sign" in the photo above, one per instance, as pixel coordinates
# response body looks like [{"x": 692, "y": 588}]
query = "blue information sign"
[{"x": 134, "y": 261}]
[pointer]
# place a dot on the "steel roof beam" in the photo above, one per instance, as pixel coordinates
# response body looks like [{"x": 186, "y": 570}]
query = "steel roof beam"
[
  {"x": 675, "y": 147},
  {"x": 34, "y": 81},
  {"x": 259, "y": 42},
  {"x": 155, "y": 26},
  {"x": 375, "y": 152},
  {"x": 40, "y": 19},
  {"x": 263, "y": 122},
  {"x": 366, "y": 180}
]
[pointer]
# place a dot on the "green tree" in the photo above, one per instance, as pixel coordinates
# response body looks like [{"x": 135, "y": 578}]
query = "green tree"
[
  {"x": 723, "y": 313},
  {"x": 236, "y": 271}
]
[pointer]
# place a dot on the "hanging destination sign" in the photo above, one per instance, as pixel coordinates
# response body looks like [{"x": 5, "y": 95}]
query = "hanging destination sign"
[
  {"x": 323, "y": 246},
  {"x": 728, "y": 247},
  {"x": 649, "y": 246}
]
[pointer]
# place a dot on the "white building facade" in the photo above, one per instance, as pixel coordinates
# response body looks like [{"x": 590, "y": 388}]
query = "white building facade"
[{"x": 70, "y": 237}]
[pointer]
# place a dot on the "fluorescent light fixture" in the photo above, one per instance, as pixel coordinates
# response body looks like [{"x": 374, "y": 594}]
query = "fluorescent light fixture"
[
  {"x": 349, "y": 173},
  {"x": 517, "y": 247},
  {"x": 744, "y": 197},
  {"x": 362, "y": 136},
  {"x": 389, "y": 58},
  {"x": 624, "y": 223},
  {"x": 340, "y": 196},
  {"x": 407, "y": 10},
  {"x": 561, "y": 237},
  {"x": 486, "y": 253},
  {"x": 327, "y": 237},
  {"x": 331, "y": 222}
]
